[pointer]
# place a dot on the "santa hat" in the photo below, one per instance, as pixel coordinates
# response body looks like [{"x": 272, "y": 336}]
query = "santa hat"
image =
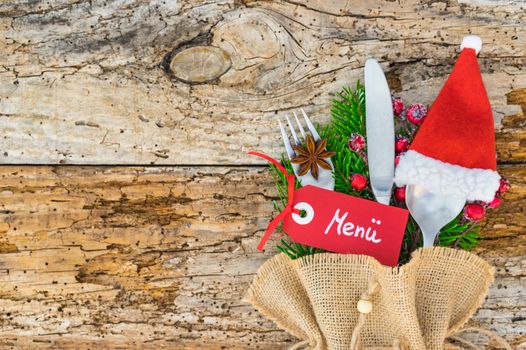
[{"x": 454, "y": 149}]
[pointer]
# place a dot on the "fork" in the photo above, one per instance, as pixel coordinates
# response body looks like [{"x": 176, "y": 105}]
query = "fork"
[{"x": 325, "y": 177}]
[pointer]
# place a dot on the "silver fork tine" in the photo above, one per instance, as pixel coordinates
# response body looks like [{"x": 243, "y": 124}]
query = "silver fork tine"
[
  {"x": 300, "y": 127},
  {"x": 311, "y": 127},
  {"x": 293, "y": 132},
  {"x": 286, "y": 141}
]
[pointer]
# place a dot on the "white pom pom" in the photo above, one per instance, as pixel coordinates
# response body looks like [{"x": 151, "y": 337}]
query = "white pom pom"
[{"x": 472, "y": 42}]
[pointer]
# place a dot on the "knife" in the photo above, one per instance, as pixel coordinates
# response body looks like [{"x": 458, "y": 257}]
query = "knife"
[{"x": 380, "y": 131}]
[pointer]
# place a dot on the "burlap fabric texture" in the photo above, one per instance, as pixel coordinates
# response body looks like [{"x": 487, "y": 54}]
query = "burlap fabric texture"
[{"x": 415, "y": 306}]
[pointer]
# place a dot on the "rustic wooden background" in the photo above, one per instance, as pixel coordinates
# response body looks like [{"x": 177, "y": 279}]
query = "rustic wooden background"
[{"x": 129, "y": 210}]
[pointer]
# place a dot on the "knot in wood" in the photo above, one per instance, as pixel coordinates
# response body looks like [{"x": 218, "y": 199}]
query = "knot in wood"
[{"x": 200, "y": 64}]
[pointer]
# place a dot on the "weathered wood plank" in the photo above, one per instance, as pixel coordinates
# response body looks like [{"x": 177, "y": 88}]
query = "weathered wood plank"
[
  {"x": 134, "y": 82},
  {"x": 511, "y": 138},
  {"x": 505, "y": 228},
  {"x": 131, "y": 257}
]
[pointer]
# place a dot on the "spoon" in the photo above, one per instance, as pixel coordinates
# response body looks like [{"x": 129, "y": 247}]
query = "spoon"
[{"x": 431, "y": 211}]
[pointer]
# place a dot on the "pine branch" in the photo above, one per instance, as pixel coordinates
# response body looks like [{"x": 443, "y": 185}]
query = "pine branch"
[
  {"x": 348, "y": 117},
  {"x": 459, "y": 234}
]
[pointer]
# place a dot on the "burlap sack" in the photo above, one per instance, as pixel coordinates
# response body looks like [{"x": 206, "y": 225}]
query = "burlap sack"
[{"x": 416, "y": 306}]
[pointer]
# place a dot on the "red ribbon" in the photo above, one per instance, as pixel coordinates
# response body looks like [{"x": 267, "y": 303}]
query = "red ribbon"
[{"x": 290, "y": 195}]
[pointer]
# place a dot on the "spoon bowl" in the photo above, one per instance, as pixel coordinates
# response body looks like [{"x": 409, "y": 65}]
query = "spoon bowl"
[{"x": 432, "y": 211}]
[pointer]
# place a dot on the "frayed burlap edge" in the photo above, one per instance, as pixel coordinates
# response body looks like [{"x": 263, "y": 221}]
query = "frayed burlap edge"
[
  {"x": 281, "y": 261},
  {"x": 468, "y": 256},
  {"x": 271, "y": 265}
]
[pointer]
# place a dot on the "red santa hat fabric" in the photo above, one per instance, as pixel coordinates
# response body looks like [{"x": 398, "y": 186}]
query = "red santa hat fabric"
[{"x": 454, "y": 149}]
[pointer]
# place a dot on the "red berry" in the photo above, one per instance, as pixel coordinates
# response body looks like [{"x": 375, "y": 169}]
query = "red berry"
[
  {"x": 397, "y": 160},
  {"x": 416, "y": 113},
  {"x": 474, "y": 212},
  {"x": 358, "y": 182},
  {"x": 504, "y": 186},
  {"x": 399, "y": 194},
  {"x": 398, "y": 106},
  {"x": 356, "y": 142},
  {"x": 401, "y": 144},
  {"x": 495, "y": 203}
]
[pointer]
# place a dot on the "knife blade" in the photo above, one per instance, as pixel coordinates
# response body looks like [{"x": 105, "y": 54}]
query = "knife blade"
[{"x": 380, "y": 131}]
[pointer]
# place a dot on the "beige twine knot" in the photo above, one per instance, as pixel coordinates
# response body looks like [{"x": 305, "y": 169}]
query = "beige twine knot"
[{"x": 364, "y": 306}]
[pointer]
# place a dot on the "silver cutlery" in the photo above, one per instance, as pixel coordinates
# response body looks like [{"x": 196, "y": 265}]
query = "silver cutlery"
[
  {"x": 325, "y": 177},
  {"x": 380, "y": 131},
  {"x": 431, "y": 211}
]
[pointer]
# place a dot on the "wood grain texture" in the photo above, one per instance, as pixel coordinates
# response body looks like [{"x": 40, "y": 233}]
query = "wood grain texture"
[
  {"x": 151, "y": 256},
  {"x": 161, "y": 257},
  {"x": 165, "y": 82}
]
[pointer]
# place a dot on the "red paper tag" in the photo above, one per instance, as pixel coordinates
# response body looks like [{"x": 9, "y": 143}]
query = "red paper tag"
[{"x": 344, "y": 224}]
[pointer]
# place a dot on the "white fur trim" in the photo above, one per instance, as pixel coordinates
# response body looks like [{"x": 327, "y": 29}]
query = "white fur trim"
[
  {"x": 472, "y": 42},
  {"x": 436, "y": 176}
]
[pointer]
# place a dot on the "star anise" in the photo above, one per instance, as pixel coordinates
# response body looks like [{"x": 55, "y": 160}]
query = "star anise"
[{"x": 311, "y": 156}]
